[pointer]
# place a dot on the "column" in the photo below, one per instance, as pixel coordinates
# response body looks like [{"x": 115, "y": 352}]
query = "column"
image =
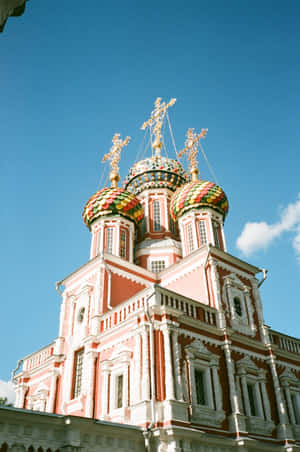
[
  {"x": 278, "y": 395},
  {"x": 245, "y": 393},
  {"x": 50, "y": 408},
  {"x": 232, "y": 388},
  {"x": 131, "y": 242},
  {"x": 217, "y": 386},
  {"x": 135, "y": 383},
  {"x": 217, "y": 296},
  {"x": 104, "y": 394},
  {"x": 289, "y": 402},
  {"x": 117, "y": 244},
  {"x": 265, "y": 398},
  {"x": 20, "y": 395},
  {"x": 146, "y": 370},
  {"x": 176, "y": 351},
  {"x": 90, "y": 357},
  {"x": 169, "y": 381}
]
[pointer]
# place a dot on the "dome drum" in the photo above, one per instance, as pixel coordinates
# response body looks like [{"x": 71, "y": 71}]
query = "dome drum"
[{"x": 156, "y": 172}]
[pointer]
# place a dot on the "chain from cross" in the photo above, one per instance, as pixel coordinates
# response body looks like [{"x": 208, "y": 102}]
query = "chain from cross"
[
  {"x": 157, "y": 118},
  {"x": 191, "y": 146},
  {"x": 114, "y": 154}
]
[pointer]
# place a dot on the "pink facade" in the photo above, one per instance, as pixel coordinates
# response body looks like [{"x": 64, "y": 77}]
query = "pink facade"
[{"x": 163, "y": 327}]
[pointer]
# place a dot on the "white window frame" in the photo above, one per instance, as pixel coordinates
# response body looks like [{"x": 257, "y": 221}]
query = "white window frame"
[
  {"x": 249, "y": 374},
  {"x": 233, "y": 288},
  {"x": 291, "y": 387},
  {"x": 198, "y": 357}
]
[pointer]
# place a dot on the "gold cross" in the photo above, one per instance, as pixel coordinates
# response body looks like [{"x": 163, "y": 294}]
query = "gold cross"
[
  {"x": 114, "y": 156},
  {"x": 157, "y": 118},
  {"x": 191, "y": 148}
]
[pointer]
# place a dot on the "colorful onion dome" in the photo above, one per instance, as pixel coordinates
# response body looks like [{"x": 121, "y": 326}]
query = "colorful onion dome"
[
  {"x": 112, "y": 201},
  {"x": 156, "y": 172},
  {"x": 198, "y": 194}
]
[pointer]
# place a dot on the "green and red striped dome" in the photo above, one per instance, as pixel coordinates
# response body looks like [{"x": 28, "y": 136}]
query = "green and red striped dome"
[
  {"x": 198, "y": 194},
  {"x": 112, "y": 201}
]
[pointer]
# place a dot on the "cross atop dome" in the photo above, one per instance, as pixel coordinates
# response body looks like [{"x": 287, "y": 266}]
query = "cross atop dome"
[
  {"x": 191, "y": 148},
  {"x": 114, "y": 156},
  {"x": 156, "y": 119}
]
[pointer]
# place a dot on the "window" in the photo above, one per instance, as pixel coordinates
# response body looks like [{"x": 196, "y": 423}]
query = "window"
[
  {"x": 200, "y": 387},
  {"x": 216, "y": 234},
  {"x": 80, "y": 316},
  {"x": 123, "y": 244},
  {"x": 205, "y": 391},
  {"x": 172, "y": 226},
  {"x": 237, "y": 306},
  {"x": 252, "y": 399},
  {"x": 143, "y": 227},
  {"x": 158, "y": 266},
  {"x": 202, "y": 232},
  {"x": 78, "y": 367},
  {"x": 190, "y": 238},
  {"x": 156, "y": 216},
  {"x": 109, "y": 240},
  {"x": 119, "y": 388}
]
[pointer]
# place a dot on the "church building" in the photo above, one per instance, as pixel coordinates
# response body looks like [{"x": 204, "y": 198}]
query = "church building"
[{"x": 162, "y": 344}]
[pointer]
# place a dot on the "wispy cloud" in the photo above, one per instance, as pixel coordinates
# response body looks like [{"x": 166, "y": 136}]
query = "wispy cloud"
[
  {"x": 256, "y": 236},
  {"x": 7, "y": 390}
]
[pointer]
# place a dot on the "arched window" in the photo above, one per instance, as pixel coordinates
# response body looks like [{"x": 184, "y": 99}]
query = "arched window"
[
  {"x": 123, "y": 243},
  {"x": 216, "y": 234},
  {"x": 156, "y": 216}
]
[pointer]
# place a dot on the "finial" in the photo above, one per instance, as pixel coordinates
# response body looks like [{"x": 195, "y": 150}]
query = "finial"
[
  {"x": 114, "y": 156},
  {"x": 157, "y": 118},
  {"x": 191, "y": 148}
]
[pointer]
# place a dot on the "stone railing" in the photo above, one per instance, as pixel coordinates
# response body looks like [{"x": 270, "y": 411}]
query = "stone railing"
[
  {"x": 284, "y": 342},
  {"x": 163, "y": 297},
  {"x": 38, "y": 358}
]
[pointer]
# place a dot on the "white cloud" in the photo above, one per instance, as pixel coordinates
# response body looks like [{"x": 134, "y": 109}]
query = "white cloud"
[
  {"x": 7, "y": 390},
  {"x": 256, "y": 236}
]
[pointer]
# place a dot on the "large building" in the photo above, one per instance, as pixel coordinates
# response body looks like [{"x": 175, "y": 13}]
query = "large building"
[{"x": 162, "y": 343}]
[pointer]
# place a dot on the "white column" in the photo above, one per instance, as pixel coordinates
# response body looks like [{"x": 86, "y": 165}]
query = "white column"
[
  {"x": 230, "y": 371},
  {"x": 53, "y": 389},
  {"x": 20, "y": 395},
  {"x": 223, "y": 236},
  {"x": 147, "y": 216},
  {"x": 169, "y": 380},
  {"x": 217, "y": 386},
  {"x": 125, "y": 386},
  {"x": 104, "y": 394},
  {"x": 176, "y": 351},
  {"x": 100, "y": 244},
  {"x": 90, "y": 357},
  {"x": 217, "y": 295},
  {"x": 278, "y": 395},
  {"x": 289, "y": 402},
  {"x": 135, "y": 383},
  {"x": 265, "y": 398},
  {"x": 145, "y": 375},
  {"x": 245, "y": 394}
]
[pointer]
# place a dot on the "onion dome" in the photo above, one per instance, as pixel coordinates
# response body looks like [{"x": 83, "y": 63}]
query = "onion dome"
[
  {"x": 156, "y": 172},
  {"x": 198, "y": 194},
  {"x": 112, "y": 201}
]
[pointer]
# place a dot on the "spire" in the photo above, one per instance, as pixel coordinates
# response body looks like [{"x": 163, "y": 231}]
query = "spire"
[
  {"x": 114, "y": 156},
  {"x": 191, "y": 148},
  {"x": 156, "y": 119}
]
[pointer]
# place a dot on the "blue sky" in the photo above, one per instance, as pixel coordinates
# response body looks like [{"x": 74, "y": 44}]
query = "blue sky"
[{"x": 72, "y": 75}]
